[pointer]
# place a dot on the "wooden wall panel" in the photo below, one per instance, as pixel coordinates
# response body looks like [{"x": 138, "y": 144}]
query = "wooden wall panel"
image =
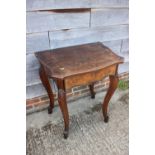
[
  {"x": 125, "y": 46},
  {"x": 109, "y": 3},
  {"x": 125, "y": 56},
  {"x": 123, "y": 68},
  {"x": 81, "y": 36},
  {"x": 48, "y": 20},
  {"x": 56, "y": 4},
  {"x": 31, "y": 62},
  {"x": 38, "y": 90},
  {"x": 34, "y": 86},
  {"x": 34, "y": 91},
  {"x": 70, "y": 4},
  {"x": 32, "y": 77},
  {"x": 37, "y": 42},
  {"x": 114, "y": 45},
  {"x": 105, "y": 17}
]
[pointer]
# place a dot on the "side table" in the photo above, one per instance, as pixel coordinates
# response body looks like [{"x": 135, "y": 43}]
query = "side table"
[{"x": 78, "y": 65}]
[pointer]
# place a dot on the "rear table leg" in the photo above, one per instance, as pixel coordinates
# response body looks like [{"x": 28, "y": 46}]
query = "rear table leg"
[
  {"x": 46, "y": 84},
  {"x": 91, "y": 88}
]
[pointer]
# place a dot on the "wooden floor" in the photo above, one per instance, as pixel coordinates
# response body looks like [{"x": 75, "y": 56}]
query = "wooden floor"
[{"x": 88, "y": 132}]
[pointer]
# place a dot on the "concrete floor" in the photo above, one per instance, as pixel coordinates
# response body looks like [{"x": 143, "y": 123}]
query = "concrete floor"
[{"x": 88, "y": 133}]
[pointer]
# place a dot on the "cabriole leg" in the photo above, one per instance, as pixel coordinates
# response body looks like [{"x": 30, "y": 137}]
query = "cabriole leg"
[
  {"x": 110, "y": 92},
  {"x": 63, "y": 107},
  {"x": 46, "y": 84}
]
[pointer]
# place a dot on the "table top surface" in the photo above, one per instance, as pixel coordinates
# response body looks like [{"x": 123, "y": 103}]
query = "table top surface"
[{"x": 68, "y": 61}]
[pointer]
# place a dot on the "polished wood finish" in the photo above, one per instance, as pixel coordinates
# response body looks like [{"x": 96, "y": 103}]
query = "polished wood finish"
[
  {"x": 78, "y": 65},
  {"x": 46, "y": 83},
  {"x": 111, "y": 90},
  {"x": 63, "y": 105},
  {"x": 75, "y": 60},
  {"x": 90, "y": 77}
]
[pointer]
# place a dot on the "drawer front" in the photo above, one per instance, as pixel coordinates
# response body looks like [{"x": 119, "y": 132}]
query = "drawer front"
[{"x": 87, "y": 78}]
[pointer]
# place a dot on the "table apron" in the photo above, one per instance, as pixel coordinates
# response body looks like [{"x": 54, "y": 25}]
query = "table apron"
[{"x": 87, "y": 78}]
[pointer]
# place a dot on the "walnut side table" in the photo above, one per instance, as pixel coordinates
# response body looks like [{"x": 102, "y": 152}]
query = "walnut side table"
[{"x": 78, "y": 65}]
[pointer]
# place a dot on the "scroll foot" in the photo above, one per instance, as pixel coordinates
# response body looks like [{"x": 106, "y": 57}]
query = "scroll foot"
[
  {"x": 106, "y": 119},
  {"x": 50, "y": 110},
  {"x": 65, "y": 134}
]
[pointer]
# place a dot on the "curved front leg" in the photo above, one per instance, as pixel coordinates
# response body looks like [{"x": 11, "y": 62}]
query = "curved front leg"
[
  {"x": 111, "y": 90},
  {"x": 46, "y": 84},
  {"x": 63, "y": 107}
]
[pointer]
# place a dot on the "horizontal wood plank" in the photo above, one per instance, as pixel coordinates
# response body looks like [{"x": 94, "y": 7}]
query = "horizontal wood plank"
[
  {"x": 81, "y": 36},
  {"x": 32, "y": 5},
  {"x": 114, "y": 45},
  {"x": 31, "y": 62},
  {"x": 125, "y": 46},
  {"x": 37, "y": 42},
  {"x": 32, "y": 77},
  {"x": 109, "y": 3},
  {"x": 105, "y": 17},
  {"x": 38, "y": 90},
  {"x": 35, "y": 91},
  {"x": 123, "y": 68},
  {"x": 125, "y": 56},
  {"x": 48, "y": 20}
]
